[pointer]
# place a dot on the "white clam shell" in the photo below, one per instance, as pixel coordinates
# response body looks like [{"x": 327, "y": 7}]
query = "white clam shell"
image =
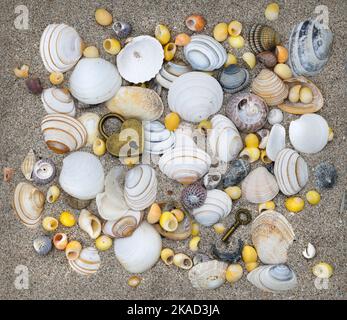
[
  {"x": 157, "y": 138},
  {"x": 82, "y": 175},
  {"x": 309, "y": 133},
  {"x": 94, "y": 80},
  {"x": 139, "y": 252},
  {"x": 275, "y": 116},
  {"x": 87, "y": 263},
  {"x": 309, "y": 252},
  {"x": 90, "y": 121},
  {"x": 141, "y": 59},
  {"x": 56, "y": 100},
  {"x": 195, "y": 96},
  {"x": 169, "y": 72},
  {"x": 27, "y": 166},
  {"x": 89, "y": 223},
  {"x": 276, "y": 141}
]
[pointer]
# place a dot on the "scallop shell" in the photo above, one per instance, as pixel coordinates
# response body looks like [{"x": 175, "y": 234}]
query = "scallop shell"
[
  {"x": 136, "y": 102},
  {"x": 224, "y": 139},
  {"x": 87, "y": 263},
  {"x": 233, "y": 78},
  {"x": 309, "y": 47},
  {"x": 89, "y": 223},
  {"x": 238, "y": 170},
  {"x": 140, "y": 189},
  {"x": 27, "y": 165},
  {"x": 309, "y": 133},
  {"x": 270, "y": 87},
  {"x": 124, "y": 227},
  {"x": 208, "y": 274},
  {"x": 141, "y": 59},
  {"x": 272, "y": 235},
  {"x": 63, "y": 133},
  {"x": 44, "y": 171},
  {"x": 139, "y": 252},
  {"x": 90, "y": 121},
  {"x": 170, "y": 72},
  {"x": 56, "y": 100},
  {"x": 263, "y": 38},
  {"x": 299, "y": 107},
  {"x": 247, "y": 111},
  {"x": 28, "y": 204},
  {"x": 291, "y": 172},
  {"x": 216, "y": 207},
  {"x": 273, "y": 278},
  {"x": 157, "y": 138},
  {"x": 276, "y": 141},
  {"x": 259, "y": 186}
]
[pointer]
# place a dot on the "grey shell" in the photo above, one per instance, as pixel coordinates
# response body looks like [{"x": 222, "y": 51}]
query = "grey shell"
[
  {"x": 42, "y": 245},
  {"x": 233, "y": 78},
  {"x": 44, "y": 171},
  {"x": 238, "y": 170}
]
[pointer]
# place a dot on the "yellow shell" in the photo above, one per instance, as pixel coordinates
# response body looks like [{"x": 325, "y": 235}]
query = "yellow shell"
[
  {"x": 50, "y": 223},
  {"x": 134, "y": 281},
  {"x": 167, "y": 255},
  {"x": 169, "y": 51},
  {"x": 233, "y": 192},
  {"x": 53, "y": 194},
  {"x": 168, "y": 221},
  {"x": 22, "y": 72},
  {"x": 130, "y": 161},
  {"x": 231, "y": 59},
  {"x": 323, "y": 270},
  {"x": 99, "y": 147},
  {"x": 249, "y": 254},
  {"x": 283, "y": 71},
  {"x": 234, "y": 28},
  {"x": 281, "y": 54},
  {"x": 268, "y": 205},
  {"x": 251, "y": 154},
  {"x": 294, "y": 93},
  {"x": 220, "y": 31},
  {"x": 194, "y": 243},
  {"x": 178, "y": 214},
  {"x": 162, "y": 34},
  {"x": 294, "y": 204},
  {"x": 195, "y": 229},
  {"x": 204, "y": 126},
  {"x": 251, "y": 266},
  {"x": 103, "y": 17},
  {"x": 56, "y": 78},
  {"x": 103, "y": 243},
  {"x": 250, "y": 59},
  {"x": 91, "y": 52},
  {"x": 72, "y": 250},
  {"x": 233, "y": 273},
  {"x": 264, "y": 158},
  {"x": 67, "y": 219},
  {"x": 236, "y": 42},
  {"x": 313, "y": 197},
  {"x": 182, "y": 261},
  {"x": 182, "y": 39},
  {"x": 331, "y": 135},
  {"x": 172, "y": 121},
  {"x": 219, "y": 228},
  {"x": 272, "y": 11},
  {"x": 252, "y": 140},
  {"x": 111, "y": 46},
  {"x": 154, "y": 213},
  {"x": 306, "y": 95}
]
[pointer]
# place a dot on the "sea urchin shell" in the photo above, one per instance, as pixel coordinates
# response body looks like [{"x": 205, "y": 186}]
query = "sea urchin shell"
[{"x": 193, "y": 196}]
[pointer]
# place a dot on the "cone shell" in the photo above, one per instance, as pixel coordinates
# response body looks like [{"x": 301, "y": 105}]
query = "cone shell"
[
  {"x": 272, "y": 235},
  {"x": 87, "y": 263},
  {"x": 63, "y": 133},
  {"x": 28, "y": 203},
  {"x": 263, "y": 38},
  {"x": 270, "y": 87},
  {"x": 259, "y": 186}
]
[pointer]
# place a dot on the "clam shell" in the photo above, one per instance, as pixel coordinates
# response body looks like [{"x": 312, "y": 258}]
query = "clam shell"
[
  {"x": 233, "y": 78},
  {"x": 239, "y": 169},
  {"x": 195, "y": 96},
  {"x": 89, "y": 223},
  {"x": 170, "y": 72},
  {"x": 247, "y": 111},
  {"x": 56, "y": 100},
  {"x": 299, "y": 107},
  {"x": 28, "y": 204},
  {"x": 141, "y": 59},
  {"x": 90, "y": 122},
  {"x": 136, "y": 102},
  {"x": 263, "y": 38},
  {"x": 157, "y": 138},
  {"x": 309, "y": 133},
  {"x": 270, "y": 87},
  {"x": 273, "y": 278},
  {"x": 87, "y": 263},
  {"x": 44, "y": 171},
  {"x": 125, "y": 226},
  {"x": 276, "y": 141},
  {"x": 27, "y": 165},
  {"x": 272, "y": 235},
  {"x": 63, "y": 133},
  {"x": 208, "y": 274},
  {"x": 259, "y": 186}
]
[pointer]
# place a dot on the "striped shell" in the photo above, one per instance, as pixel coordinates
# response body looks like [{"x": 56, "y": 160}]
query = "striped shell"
[
  {"x": 56, "y": 100},
  {"x": 42, "y": 245},
  {"x": 233, "y": 78},
  {"x": 87, "y": 263},
  {"x": 125, "y": 226},
  {"x": 263, "y": 38}
]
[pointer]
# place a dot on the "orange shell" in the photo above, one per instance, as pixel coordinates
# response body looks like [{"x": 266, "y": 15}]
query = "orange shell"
[
  {"x": 60, "y": 241},
  {"x": 182, "y": 39},
  {"x": 282, "y": 54},
  {"x": 195, "y": 23}
]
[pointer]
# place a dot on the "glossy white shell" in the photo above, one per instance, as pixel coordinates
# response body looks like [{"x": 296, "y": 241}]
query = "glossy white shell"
[
  {"x": 90, "y": 121},
  {"x": 89, "y": 223},
  {"x": 276, "y": 141},
  {"x": 157, "y": 138},
  {"x": 275, "y": 116},
  {"x": 87, "y": 263},
  {"x": 56, "y": 100}
]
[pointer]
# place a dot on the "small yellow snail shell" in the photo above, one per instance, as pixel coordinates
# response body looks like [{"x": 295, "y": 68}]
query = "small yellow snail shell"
[
  {"x": 172, "y": 121},
  {"x": 268, "y": 205},
  {"x": 169, "y": 51},
  {"x": 53, "y": 194},
  {"x": 294, "y": 204},
  {"x": 50, "y": 223},
  {"x": 154, "y": 213},
  {"x": 250, "y": 59},
  {"x": 194, "y": 243},
  {"x": 178, "y": 214},
  {"x": 162, "y": 34},
  {"x": 234, "y": 28},
  {"x": 264, "y": 158},
  {"x": 236, "y": 42},
  {"x": 250, "y": 154},
  {"x": 111, "y": 46},
  {"x": 231, "y": 59},
  {"x": 60, "y": 241},
  {"x": 233, "y": 273},
  {"x": 103, "y": 243},
  {"x": 195, "y": 229},
  {"x": 251, "y": 266},
  {"x": 252, "y": 140},
  {"x": 91, "y": 52},
  {"x": 67, "y": 219},
  {"x": 294, "y": 93},
  {"x": 220, "y": 31},
  {"x": 168, "y": 221},
  {"x": 281, "y": 54},
  {"x": 182, "y": 40},
  {"x": 73, "y": 250},
  {"x": 167, "y": 255},
  {"x": 22, "y": 72},
  {"x": 313, "y": 197},
  {"x": 103, "y": 17},
  {"x": 233, "y": 192},
  {"x": 331, "y": 135},
  {"x": 306, "y": 95},
  {"x": 219, "y": 228},
  {"x": 99, "y": 147},
  {"x": 134, "y": 281},
  {"x": 182, "y": 261},
  {"x": 204, "y": 126},
  {"x": 249, "y": 254},
  {"x": 283, "y": 71},
  {"x": 56, "y": 78},
  {"x": 323, "y": 270},
  {"x": 272, "y": 11}
]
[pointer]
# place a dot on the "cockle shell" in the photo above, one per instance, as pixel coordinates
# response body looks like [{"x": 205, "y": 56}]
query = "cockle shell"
[
  {"x": 27, "y": 165},
  {"x": 140, "y": 188},
  {"x": 123, "y": 227},
  {"x": 291, "y": 172},
  {"x": 157, "y": 138},
  {"x": 309, "y": 47},
  {"x": 90, "y": 122},
  {"x": 87, "y": 263},
  {"x": 276, "y": 141},
  {"x": 136, "y": 103},
  {"x": 89, "y": 223},
  {"x": 63, "y": 133},
  {"x": 141, "y": 59},
  {"x": 208, "y": 274},
  {"x": 170, "y": 72},
  {"x": 309, "y": 133},
  {"x": 273, "y": 278},
  {"x": 238, "y": 170},
  {"x": 233, "y": 78},
  {"x": 247, "y": 111},
  {"x": 140, "y": 251},
  {"x": 259, "y": 186},
  {"x": 195, "y": 96},
  {"x": 56, "y": 100},
  {"x": 270, "y": 87},
  {"x": 28, "y": 204},
  {"x": 216, "y": 207},
  {"x": 263, "y": 38},
  {"x": 272, "y": 235},
  {"x": 82, "y": 175},
  {"x": 44, "y": 171}
]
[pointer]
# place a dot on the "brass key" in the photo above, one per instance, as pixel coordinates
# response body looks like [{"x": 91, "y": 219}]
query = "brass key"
[{"x": 242, "y": 217}]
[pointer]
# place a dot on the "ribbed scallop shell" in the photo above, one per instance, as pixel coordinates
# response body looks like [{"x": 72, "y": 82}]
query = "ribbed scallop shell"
[
  {"x": 87, "y": 263},
  {"x": 270, "y": 87},
  {"x": 263, "y": 38},
  {"x": 233, "y": 78},
  {"x": 157, "y": 138},
  {"x": 56, "y": 100},
  {"x": 259, "y": 186},
  {"x": 272, "y": 235},
  {"x": 63, "y": 133}
]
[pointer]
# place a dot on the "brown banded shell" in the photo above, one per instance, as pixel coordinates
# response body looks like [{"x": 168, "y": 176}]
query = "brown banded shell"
[
  {"x": 124, "y": 227},
  {"x": 267, "y": 58},
  {"x": 263, "y": 38},
  {"x": 247, "y": 111}
]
